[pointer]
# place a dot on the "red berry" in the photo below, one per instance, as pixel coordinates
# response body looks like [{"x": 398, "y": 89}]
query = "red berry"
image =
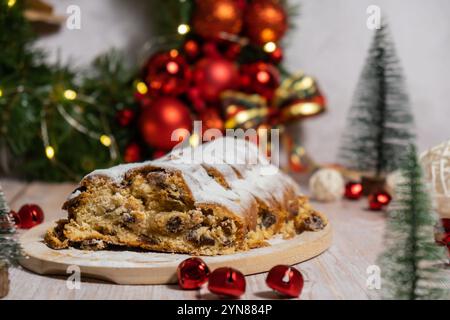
[
  {"x": 192, "y": 273},
  {"x": 285, "y": 280},
  {"x": 353, "y": 190},
  {"x": 30, "y": 215},
  {"x": 227, "y": 282}
]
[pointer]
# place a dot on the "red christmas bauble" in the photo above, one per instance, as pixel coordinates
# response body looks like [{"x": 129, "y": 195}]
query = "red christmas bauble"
[
  {"x": 214, "y": 18},
  {"x": 285, "y": 280},
  {"x": 260, "y": 77},
  {"x": 379, "y": 200},
  {"x": 124, "y": 117},
  {"x": 227, "y": 282},
  {"x": 212, "y": 76},
  {"x": 192, "y": 273},
  {"x": 353, "y": 190},
  {"x": 191, "y": 49},
  {"x": 132, "y": 153},
  {"x": 265, "y": 21},
  {"x": 30, "y": 215},
  {"x": 161, "y": 119},
  {"x": 167, "y": 74}
]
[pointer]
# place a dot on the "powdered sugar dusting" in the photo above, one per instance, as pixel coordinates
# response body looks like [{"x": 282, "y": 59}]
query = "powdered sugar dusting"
[{"x": 224, "y": 155}]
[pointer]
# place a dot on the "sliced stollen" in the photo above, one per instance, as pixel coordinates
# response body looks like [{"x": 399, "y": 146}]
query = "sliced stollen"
[{"x": 218, "y": 198}]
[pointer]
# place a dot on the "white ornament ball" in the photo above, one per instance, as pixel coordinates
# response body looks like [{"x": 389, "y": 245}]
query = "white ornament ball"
[{"x": 327, "y": 185}]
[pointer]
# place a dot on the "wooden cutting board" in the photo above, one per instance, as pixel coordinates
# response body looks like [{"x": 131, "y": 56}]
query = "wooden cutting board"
[{"x": 128, "y": 267}]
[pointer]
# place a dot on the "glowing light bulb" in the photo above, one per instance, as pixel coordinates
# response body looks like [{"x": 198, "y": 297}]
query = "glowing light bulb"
[
  {"x": 49, "y": 152},
  {"x": 183, "y": 29},
  {"x": 141, "y": 87},
  {"x": 194, "y": 140},
  {"x": 1, "y": 92},
  {"x": 105, "y": 140},
  {"x": 11, "y": 3},
  {"x": 270, "y": 47},
  {"x": 70, "y": 94}
]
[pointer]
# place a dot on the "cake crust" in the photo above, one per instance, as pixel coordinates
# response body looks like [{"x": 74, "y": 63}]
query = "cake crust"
[{"x": 196, "y": 207}]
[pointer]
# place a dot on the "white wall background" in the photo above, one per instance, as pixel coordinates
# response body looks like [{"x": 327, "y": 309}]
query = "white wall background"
[{"x": 330, "y": 43}]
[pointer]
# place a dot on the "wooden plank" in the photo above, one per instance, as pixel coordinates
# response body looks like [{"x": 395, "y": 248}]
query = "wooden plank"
[{"x": 339, "y": 273}]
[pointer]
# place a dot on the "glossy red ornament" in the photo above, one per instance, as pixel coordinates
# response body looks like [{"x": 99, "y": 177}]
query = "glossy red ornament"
[
  {"x": 124, "y": 117},
  {"x": 276, "y": 56},
  {"x": 227, "y": 282},
  {"x": 30, "y": 215},
  {"x": 161, "y": 119},
  {"x": 191, "y": 49},
  {"x": 260, "y": 77},
  {"x": 285, "y": 280},
  {"x": 265, "y": 21},
  {"x": 15, "y": 218},
  {"x": 132, "y": 153},
  {"x": 212, "y": 76},
  {"x": 215, "y": 18},
  {"x": 379, "y": 200},
  {"x": 353, "y": 190},
  {"x": 192, "y": 273},
  {"x": 167, "y": 74}
]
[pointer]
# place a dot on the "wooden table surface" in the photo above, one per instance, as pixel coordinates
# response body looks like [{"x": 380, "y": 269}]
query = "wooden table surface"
[{"x": 339, "y": 273}]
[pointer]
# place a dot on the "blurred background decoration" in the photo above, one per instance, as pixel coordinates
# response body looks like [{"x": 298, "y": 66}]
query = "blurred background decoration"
[{"x": 215, "y": 61}]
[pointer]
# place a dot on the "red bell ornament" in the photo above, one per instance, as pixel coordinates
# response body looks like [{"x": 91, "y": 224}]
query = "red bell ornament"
[
  {"x": 227, "y": 282},
  {"x": 192, "y": 273},
  {"x": 161, "y": 119},
  {"x": 285, "y": 280},
  {"x": 30, "y": 215},
  {"x": 353, "y": 190},
  {"x": 379, "y": 200}
]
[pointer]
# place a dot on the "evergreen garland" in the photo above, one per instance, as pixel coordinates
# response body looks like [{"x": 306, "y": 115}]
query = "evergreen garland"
[
  {"x": 380, "y": 120},
  {"x": 410, "y": 264}
]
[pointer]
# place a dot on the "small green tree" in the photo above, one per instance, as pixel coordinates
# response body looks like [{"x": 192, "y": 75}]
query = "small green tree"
[
  {"x": 380, "y": 119},
  {"x": 410, "y": 263},
  {"x": 10, "y": 250}
]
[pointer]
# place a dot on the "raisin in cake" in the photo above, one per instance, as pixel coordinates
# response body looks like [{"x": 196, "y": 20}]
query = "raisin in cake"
[{"x": 219, "y": 198}]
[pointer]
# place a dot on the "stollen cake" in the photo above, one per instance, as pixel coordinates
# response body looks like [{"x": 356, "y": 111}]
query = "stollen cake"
[{"x": 218, "y": 198}]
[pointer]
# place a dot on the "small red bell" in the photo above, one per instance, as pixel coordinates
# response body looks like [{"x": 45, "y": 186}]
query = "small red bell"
[
  {"x": 379, "y": 200},
  {"x": 285, "y": 280},
  {"x": 192, "y": 273},
  {"x": 30, "y": 215},
  {"x": 353, "y": 190},
  {"x": 227, "y": 282}
]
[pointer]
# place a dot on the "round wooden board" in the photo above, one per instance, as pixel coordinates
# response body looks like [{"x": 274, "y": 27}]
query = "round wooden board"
[{"x": 128, "y": 267}]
